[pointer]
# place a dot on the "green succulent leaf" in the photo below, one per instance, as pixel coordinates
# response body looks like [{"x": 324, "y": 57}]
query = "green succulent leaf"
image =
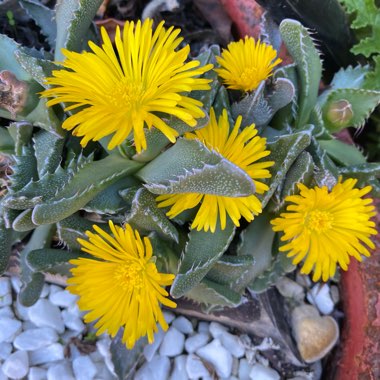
[
  {"x": 44, "y": 117},
  {"x": 189, "y": 166},
  {"x": 45, "y": 259},
  {"x": 221, "y": 101},
  {"x": 366, "y": 173},
  {"x": 157, "y": 141},
  {"x": 74, "y": 227},
  {"x": 37, "y": 65},
  {"x": 280, "y": 265},
  {"x": 350, "y": 77},
  {"x": 309, "y": 66},
  {"x": 23, "y": 222},
  {"x": 214, "y": 295},
  {"x": 8, "y": 61},
  {"x": 36, "y": 192},
  {"x": 229, "y": 270},
  {"x": 282, "y": 94},
  {"x": 5, "y": 245},
  {"x": 83, "y": 186},
  {"x": 326, "y": 172},
  {"x": 73, "y": 19},
  {"x": 146, "y": 216},
  {"x": 43, "y": 17},
  {"x": 256, "y": 241},
  {"x": 208, "y": 97},
  {"x": 348, "y": 108},
  {"x": 32, "y": 282},
  {"x": 302, "y": 171},
  {"x": 7, "y": 145},
  {"x": 24, "y": 171},
  {"x": 21, "y": 133},
  {"x": 254, "y": 108},
  {"x": 109, "y": 200},
  {"x": 284, "y": 151},
  {"x": 202, "y": 250},
  {"x": 342, "y": 153},
  {"x": 48, "y": 149}
]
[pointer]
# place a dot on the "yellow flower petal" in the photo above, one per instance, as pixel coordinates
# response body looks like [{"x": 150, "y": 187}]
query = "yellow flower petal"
[
  {"x": 121, "y": 287},
  {"x": 118, "y": 91},
  {"x": 245, "y": 63},
  {"x": 243, "y": 148},
  {"x": 324, "y": 228}
]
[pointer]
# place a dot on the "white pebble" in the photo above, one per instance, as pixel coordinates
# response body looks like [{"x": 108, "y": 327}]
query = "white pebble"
[
  {"x": 157, "y": 369},
  {"x": 289, "y": 288},
  {"x": 218, "y": 356},
  {"x": 173, "y": 343},
  {"x": 195, "y": 368},
  {"x": 103, "y": 373},
  {"x": 203, "y": 327},
  {"x": 6, "y": 312},
  {"x": 74, "y": 309},
  {"x": 16, "y": 366},
  {"x": 16, "y": 283},
  {"x": 5, "y": 350},
  {"x": 6, "y": 300},
  {"x": 21, "y": 311},
  {"x": 183, "y": 325},
  {"x": 5, "y": 286},
  {"x": 28, "y": 325},
  {"x": 179, "y": 370},
  {"x": 196, "y": 341},
  {"x": 44, "y": 314},
  {"x": 60, "y": 371},
  {"x": 63, "y": 298},
  {"x": 34, "y": 339},
  {"x": 47, "y": 354},
  {"x": 53, "y": 289},
  {"x": 169, "y": 316},
  {"x": 320, "y": 297},
  {"x": 233, "y": 344},
  {"x": 37, "y": 373},
  {"x": 67, "y": 335},
  {"x": 45, "y": 291},
  {"x": 260, "y": 372},
  {"x": 72, "y": 321},
  {"x": 103, "y": 345},
  {"x": 9, "y": 328},
  {"x": 216, "y": 329},
  {"x": 84, "y": 368},
  {"x": 150, "y": 349},
  {"x": 244, "y": 369}
]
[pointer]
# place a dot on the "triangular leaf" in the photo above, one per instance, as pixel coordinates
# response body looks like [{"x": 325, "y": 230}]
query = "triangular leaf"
[{"x": 202, "y": 250}]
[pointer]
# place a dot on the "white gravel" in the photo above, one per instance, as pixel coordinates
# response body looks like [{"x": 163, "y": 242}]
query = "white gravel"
[{"x": 43, "y": 342}]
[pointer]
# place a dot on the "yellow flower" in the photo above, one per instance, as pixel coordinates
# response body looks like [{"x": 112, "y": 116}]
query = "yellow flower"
[
  {"x": 243, "y": 149},
  {"x": 324, "y": 228},
  {"x": 120, "y": 91},
  {"x": 245, "y": 63},
  {"x": 121, "y": 286}
]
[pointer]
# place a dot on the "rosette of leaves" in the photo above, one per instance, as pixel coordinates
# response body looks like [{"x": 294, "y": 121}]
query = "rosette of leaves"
[{"x": 56, "y": 191}]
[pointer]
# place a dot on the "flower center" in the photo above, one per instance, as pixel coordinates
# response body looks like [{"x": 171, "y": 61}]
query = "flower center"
[
  {"x": 318, "y": 221},
  {"x": 129, "y": 275},
  {"x": 249, "y": 77},
  {"x": 125, "y": 95}
]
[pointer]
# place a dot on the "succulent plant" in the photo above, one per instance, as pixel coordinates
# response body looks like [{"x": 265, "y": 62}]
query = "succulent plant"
[{"x": 57, "y": 190}]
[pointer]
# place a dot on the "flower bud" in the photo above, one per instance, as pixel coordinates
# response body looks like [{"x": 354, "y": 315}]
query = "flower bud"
[{"x": 340, "y": 113}]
